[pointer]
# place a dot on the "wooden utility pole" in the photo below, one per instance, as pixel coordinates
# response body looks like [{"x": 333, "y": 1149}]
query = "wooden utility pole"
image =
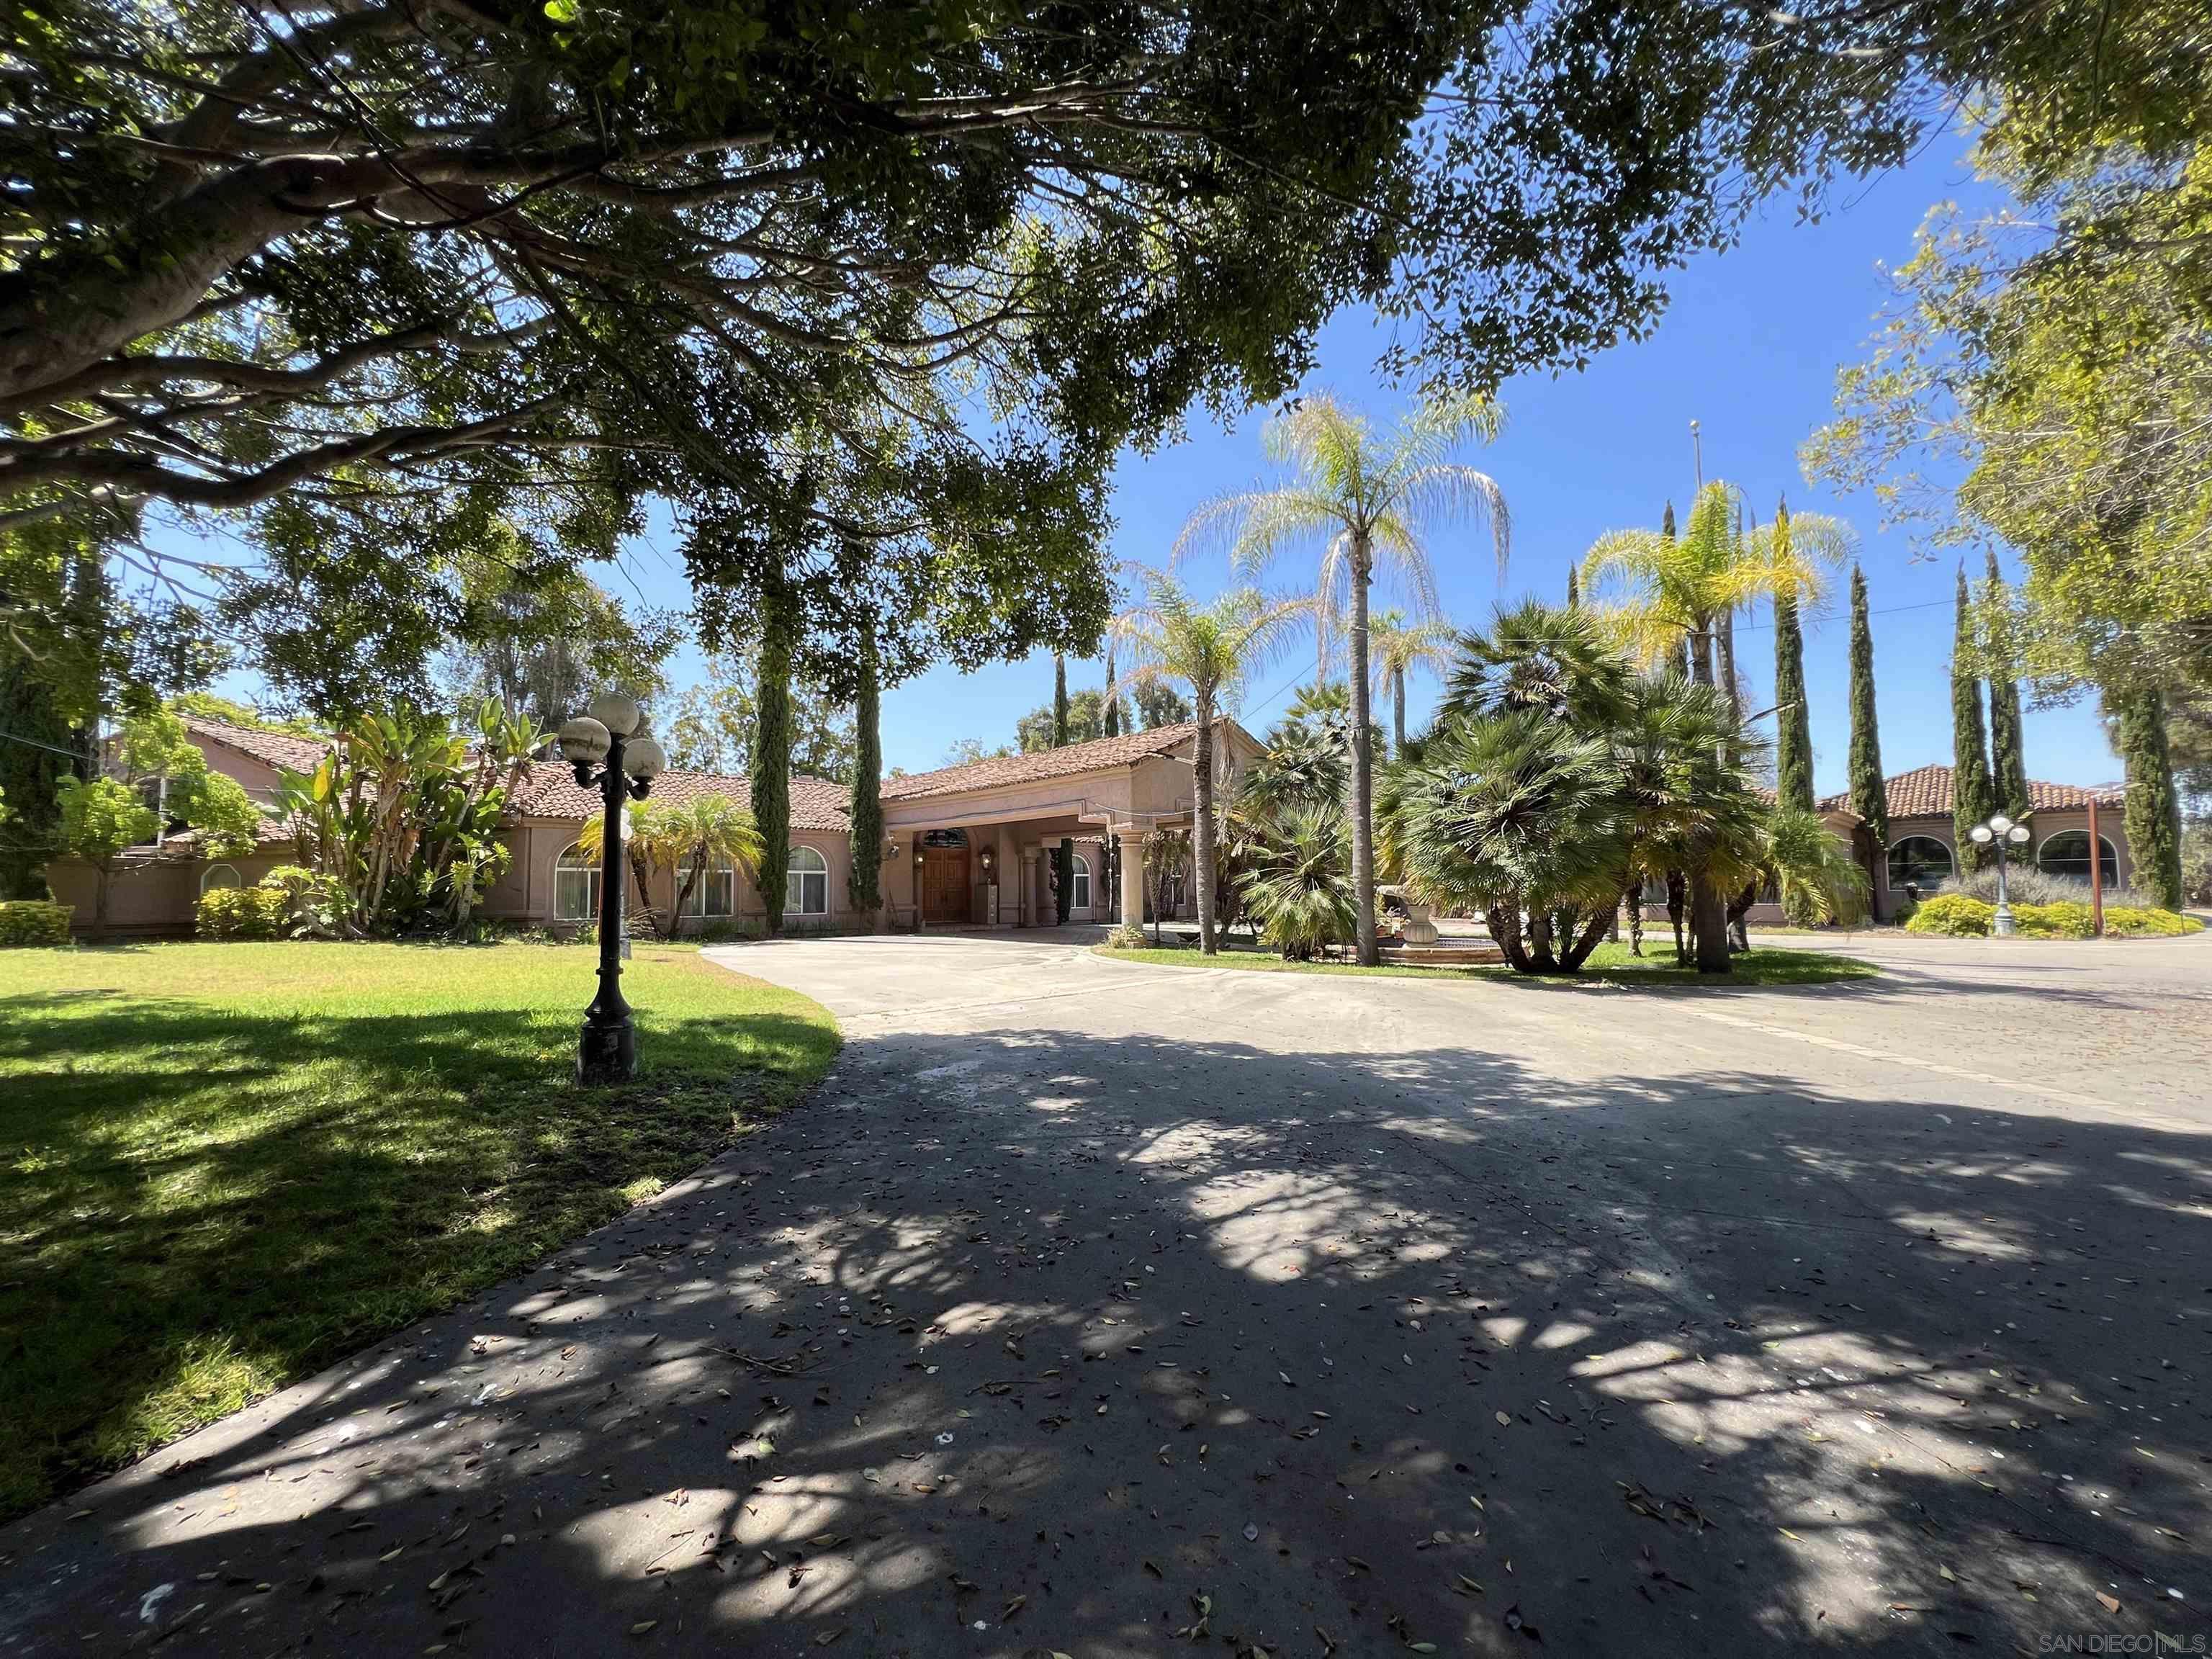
[{"x": 2096, "y": 874}]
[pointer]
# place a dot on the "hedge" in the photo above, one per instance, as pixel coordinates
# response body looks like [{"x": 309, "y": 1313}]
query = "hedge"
[
  {"x": 34, "y": 922},
  {"x": 1955, "y": 915},
  {"x": 244, "y": 913}
]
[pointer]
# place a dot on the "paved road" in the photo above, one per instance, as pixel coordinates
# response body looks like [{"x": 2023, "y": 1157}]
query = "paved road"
[{"x": 1096, "y": 1308}]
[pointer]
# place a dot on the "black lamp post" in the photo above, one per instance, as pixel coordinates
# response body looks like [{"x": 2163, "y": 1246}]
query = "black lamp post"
[{"x": 607, "y": 1052}]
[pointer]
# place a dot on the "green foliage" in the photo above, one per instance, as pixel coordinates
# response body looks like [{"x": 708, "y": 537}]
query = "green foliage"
[
  {"x": 771, "y": 766},
  {"x": 864, "y": 881},
  {"x": 1060, "y": 738},
  {"x": 402, "y": 812},
  {"x": 228, "y": 711},
  {"x": 1953, "y": 914},
  {"x": 1792, "y": 747},
  {"x": 1086, "y": 719},
  {"x": 1298, "y": 888},
  {"x": 243, "y": 913},
  {"x": 1819, "y": 879},
  {"x": 32, "y": 922},
  {"x": 223, "y": 817},
  {"x": 2008, "y": 751},
  {"x": 1867, "y": 795},
  {"x": 1159, "y": 703},
  {"x": 99, "y": 820},
  {"x": 1063, "y": 880},
  {"x": 1957, "y": 916},
  {"x": 1973, "y": 791},
  {"x": 2154, "y": 810}
]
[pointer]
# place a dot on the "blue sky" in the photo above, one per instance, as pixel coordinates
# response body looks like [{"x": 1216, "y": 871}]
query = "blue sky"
[{"x": 1749, "y": 346}]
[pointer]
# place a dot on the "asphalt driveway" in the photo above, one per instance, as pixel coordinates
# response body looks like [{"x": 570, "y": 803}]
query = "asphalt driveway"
[{"x": 1103, "y": 1310}]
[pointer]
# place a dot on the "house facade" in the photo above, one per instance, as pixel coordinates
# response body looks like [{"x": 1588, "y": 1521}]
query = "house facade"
[
  {"x": 963, "y": 846},
  {"x": 1922, "y": 852}
]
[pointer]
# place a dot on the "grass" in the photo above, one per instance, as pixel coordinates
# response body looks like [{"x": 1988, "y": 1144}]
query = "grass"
[
  {"x": 1610, "y": 963},
  {"x": 222, "y": 1166}
]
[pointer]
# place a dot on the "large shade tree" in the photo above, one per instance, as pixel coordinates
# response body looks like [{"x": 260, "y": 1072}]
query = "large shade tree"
[{"x": 1365, "y": 501}]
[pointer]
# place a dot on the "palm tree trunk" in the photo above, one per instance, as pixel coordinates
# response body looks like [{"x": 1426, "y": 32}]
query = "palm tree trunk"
[
  {"x": 1398, "y": 713},
  {"x": 1708, "y": 906},
  {"x": 1202, "y": 848},
  {"x": 1363, "y": 761}
]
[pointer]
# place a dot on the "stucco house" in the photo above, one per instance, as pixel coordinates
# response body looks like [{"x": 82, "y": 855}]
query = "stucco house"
[
  {"x": 1923, "y": 848},
  {"x": 962, "y": 845}
]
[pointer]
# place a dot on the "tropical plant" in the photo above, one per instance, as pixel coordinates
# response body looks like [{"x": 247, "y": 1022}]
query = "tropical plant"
[
  {"x": 1812, "y": 866},
  {"x": 1167, "y": 861},
  {"x": 647, "y": 851},
  {"x": 1299, "y": 889},
  {"x": 1397, "y": 645},
  {"x": 1664, "y": 598},
  {"x": 707, "y": 832},
  {"x": 1366, "y": 500},
  {"x": 1213, "y": 648}
]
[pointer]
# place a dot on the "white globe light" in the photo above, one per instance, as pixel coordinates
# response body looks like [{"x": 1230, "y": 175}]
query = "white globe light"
[
  {"x": 2017, "y": 834},
  {"x": 1980, "y": 834},
  {"x": 1999, "y": 823},
  {"x": 583, "y": 740},
  {"x": 642, "y": 758},
  {"x": 615, "y": 712}
]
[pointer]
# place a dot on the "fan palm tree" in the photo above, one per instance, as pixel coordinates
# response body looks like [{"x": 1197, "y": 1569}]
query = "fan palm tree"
[
  {"x": 706, "y": 833},
  {"x": 1213, "y": 649},
  {"x": 1397, "y": 645},
  {"x": 1365, "y": 498},
  {"x": 1661, "y": 594},
  {"x": 1813, "y": 867},
  {"x": 1298, "y": 888}
]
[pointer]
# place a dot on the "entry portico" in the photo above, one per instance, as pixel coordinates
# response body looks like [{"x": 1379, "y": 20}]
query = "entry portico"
[{"x": 973, "y": 845}]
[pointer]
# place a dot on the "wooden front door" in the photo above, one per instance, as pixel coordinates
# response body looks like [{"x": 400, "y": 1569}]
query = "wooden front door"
[{"x": 944, "y": 884}]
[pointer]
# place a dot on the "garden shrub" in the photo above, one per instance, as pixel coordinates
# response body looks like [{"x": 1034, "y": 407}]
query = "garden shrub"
[
  {"x": 2128, "y": 921},
  {"x": 34, "y": 921},
  {"x": 235, "y": 913},
  {"x": 2065, "y": 919},
  {"x": 1953, "y": 914}
]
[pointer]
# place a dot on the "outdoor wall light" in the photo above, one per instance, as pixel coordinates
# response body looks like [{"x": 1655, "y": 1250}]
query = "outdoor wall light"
[
  {"x": 891, "y": 847},
  {"x": 607, "y": 1050},
  {"x": 917, "y": 858},
  {"x": 989, "y": 862}
]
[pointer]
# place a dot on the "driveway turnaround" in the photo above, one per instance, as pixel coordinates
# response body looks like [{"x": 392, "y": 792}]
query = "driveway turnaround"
[{"x": 1104, "y": 1310}]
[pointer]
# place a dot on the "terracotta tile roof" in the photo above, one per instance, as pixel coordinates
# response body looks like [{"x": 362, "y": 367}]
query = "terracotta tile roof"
[
  {"x": 551, "y": 791},
  {"x": 277, "y": 748},
  {"x": 1925, "y": 792},
  {"x": 1099, "y": 755}
]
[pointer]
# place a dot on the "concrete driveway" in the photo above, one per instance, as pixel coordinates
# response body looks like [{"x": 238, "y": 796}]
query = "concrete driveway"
[{"x": 1103, "y": 1310}]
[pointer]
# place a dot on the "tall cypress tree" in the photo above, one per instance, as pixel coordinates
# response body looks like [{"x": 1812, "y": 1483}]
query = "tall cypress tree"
[
  {"x": 2154, "y": 810},
  {"x": 1059, "y": 701},
  {"x": 1793, "y": 749},
  {"x": 1973, "y": 793},
  {"x": 1113, "y": 724},
  {"x": 864, "y": 881},
  {"x": 771, "y": 778},
  {"x": 2008, "y": 758},
  {"x": 1869, "y": 797}
]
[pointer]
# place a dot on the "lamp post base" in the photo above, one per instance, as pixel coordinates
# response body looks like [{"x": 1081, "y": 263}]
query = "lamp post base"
[
  {"x": 606, "y": 1054},
  {"x": 2001, "y": 924}
]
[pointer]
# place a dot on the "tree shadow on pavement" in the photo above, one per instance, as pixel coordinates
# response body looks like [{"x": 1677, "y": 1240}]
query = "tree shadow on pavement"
[{"x": 1015, "y": 1342}]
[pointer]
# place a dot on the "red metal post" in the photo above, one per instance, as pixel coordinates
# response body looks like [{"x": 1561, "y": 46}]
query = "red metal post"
[{"x": 2096, "y": 875}]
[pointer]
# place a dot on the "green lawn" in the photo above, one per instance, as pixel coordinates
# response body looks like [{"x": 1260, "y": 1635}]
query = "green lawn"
[
  {"x": 224, "y": 1166},
  {"x": 1609, "y": 962}
]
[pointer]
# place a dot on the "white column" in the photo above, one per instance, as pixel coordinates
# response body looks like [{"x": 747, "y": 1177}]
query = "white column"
[
  {"x": 1132, "y": 879},
  {"x": 1030, "y": 917}
]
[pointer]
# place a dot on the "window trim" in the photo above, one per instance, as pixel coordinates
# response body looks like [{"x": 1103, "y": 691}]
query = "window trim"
[
  {"x": 2107, "y": 854},
  {"x": 591, "y": 869},
  {"x": 1080, "y": 883},
  {"x": 803, "y": 875},
  {"x": 237, "y": 877},
  {"x": 704, "y": 885},
  {"x": 1889, "y": 863}
]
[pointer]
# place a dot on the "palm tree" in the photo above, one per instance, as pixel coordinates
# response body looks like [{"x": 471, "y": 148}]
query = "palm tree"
[
  {"x": 1813, "y": 867},
  {"x": 1396, "y": 645},
  {"x": 1296, "y": 888},
  {"x": 1366, "y": 499},
  {"x": 1661, "y": 594},
  {"x": 1213, "y": 649},
  {"x": 709, "y": 832},
  {"x": 647, "y": 850}
]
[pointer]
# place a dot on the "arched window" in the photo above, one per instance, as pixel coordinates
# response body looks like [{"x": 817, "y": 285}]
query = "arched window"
[
  {"x": 806, "y": 883},
  {"x": 715, "y": 893},
  {"x": 1919, "y": 862},
  {"x": 220, "y": 875},
  {"x": 575, "y": 887},
  {"x": 2067, "y": 854},
  {"x": 1081, "y": 898}
]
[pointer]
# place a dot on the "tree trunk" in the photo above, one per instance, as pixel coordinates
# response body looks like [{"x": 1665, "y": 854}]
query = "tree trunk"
[
  {"x": 1578, "y": 953},
  {"x": 1505, "y": 927},
  {"x": 1202, "y": 848},
  {"x": 1708, "y": 907},
  {"x": 1363, "y": 760},
  {"x": 1678, "y": 904},
  {"x": 1398, "y": 713},
  {"x": 1635, "y": 919}
]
